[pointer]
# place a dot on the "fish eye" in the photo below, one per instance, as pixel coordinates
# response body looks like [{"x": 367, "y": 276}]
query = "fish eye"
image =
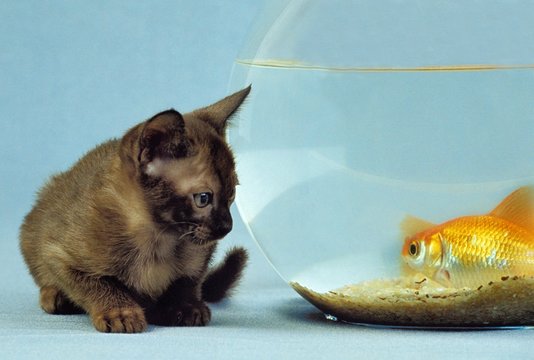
[
  {"x": 203, "y": 199},
  {"x": 413, "y": 250}
]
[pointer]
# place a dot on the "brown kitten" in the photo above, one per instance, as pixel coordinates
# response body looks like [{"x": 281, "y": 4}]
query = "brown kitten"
[{"x": 128, "y": 232}]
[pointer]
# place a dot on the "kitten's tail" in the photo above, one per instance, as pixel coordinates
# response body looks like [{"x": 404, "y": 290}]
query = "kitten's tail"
[{"x": 223, "y": 278}]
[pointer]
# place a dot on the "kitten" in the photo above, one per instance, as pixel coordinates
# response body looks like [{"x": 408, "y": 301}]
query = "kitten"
[{"x": 127, "y": 234}]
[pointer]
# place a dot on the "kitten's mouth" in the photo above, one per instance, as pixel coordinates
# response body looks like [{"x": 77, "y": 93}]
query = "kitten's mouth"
[
  {"x": 196, "y": 234},
  {"x": 201, "y": 242},
  {"x": 203, "y": 236},
  {"x": 199, "y": 234}
]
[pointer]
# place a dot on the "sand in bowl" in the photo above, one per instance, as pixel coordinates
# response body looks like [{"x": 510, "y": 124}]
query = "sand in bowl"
[{"x": 416, "y": 301}]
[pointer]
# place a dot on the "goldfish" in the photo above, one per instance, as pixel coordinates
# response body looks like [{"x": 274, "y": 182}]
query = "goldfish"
[{"x": 470, "y": 251}]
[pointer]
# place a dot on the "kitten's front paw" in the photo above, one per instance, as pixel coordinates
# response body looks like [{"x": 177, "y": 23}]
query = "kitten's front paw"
[
  {"x": 120, "y": 320},
  {"x": 184, "y": 314}
]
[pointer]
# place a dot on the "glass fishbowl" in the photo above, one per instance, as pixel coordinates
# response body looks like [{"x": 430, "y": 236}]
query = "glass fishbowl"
[{"x": 386, "y": 157}]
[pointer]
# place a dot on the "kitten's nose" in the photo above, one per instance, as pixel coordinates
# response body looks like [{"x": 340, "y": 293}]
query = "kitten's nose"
[
  {"x": 224, "y": 224},
  {"x": 225, "y": 227}
]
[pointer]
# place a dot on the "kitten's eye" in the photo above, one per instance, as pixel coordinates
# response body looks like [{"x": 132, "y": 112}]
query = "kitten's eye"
[{"x": 203, "y": 199}]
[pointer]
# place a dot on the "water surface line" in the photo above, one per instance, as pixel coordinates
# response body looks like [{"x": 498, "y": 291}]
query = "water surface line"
[{"x": 297, "y": 65}]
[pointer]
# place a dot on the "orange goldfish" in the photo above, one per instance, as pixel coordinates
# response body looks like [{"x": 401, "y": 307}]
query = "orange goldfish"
[{"x": 473, "y": 250}]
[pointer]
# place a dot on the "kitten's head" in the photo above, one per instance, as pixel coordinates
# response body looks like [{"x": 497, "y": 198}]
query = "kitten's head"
[{"x": 186, "y": 169}]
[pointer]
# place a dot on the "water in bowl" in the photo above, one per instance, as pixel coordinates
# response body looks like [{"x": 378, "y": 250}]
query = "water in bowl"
[{"x": 331, "y": 160}]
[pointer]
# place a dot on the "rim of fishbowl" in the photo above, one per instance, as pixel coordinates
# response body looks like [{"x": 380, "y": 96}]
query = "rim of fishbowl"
[{"x": 419, "y": 36}]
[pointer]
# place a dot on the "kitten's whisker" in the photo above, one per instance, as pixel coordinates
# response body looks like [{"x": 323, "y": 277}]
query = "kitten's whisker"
[
  {"x": 186, "y": 234},
  {"x": 184, "y": 223}
]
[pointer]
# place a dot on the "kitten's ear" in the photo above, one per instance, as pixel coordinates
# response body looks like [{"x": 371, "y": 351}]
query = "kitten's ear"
[
  {"x": 217, "y": 114},
  {"x": 163, "y": 136}
]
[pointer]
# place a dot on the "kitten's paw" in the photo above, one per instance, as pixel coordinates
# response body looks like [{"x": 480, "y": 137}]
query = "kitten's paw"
[
  {"x": 193, "y": 314},
  {"x": 184, "y": 314},
  {"x": 120, "y": 320},
  {"x": 54, "y": 301}
]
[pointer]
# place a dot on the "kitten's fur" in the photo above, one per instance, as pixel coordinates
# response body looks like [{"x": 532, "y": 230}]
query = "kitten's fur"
[{"x": 127, "y": 233}]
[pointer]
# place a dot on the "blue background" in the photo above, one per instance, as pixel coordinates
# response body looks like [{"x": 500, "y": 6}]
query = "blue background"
[{"x": 75, "y": 73}]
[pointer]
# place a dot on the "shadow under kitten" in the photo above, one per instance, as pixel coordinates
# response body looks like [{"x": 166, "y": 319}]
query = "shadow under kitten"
[{"x": 127, "y": 234}]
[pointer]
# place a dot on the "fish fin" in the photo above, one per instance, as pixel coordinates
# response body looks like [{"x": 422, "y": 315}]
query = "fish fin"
[
  {"x": 443, "y": 277},
  {"x": 412, "y": 225},
  {"x": 518, "y": 208}
]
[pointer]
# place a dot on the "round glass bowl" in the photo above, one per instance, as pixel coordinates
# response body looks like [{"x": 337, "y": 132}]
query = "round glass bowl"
[{"x": 365, "y": 113}]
